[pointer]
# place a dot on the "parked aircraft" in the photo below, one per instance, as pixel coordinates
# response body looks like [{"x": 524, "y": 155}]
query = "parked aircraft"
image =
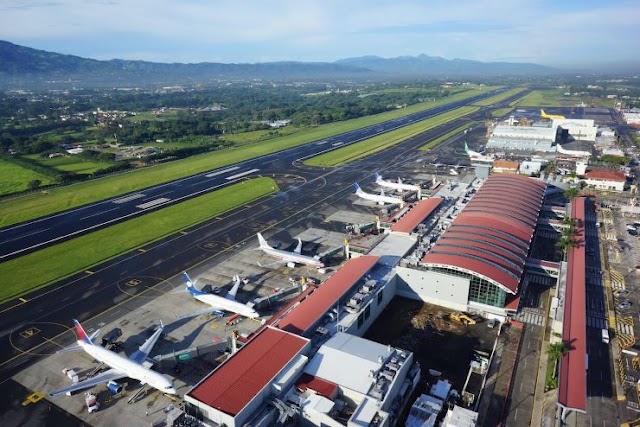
[
  {"x": 395, "y": 185},
  {"x": 550, "y": 116},
  {"x": 286, "y": 257},
  {"x": 474, "y": 156},
  {"x": 136, "y": 366},
  {"x": 381, "y": 199},
  {"x": 217, "y": 302}
]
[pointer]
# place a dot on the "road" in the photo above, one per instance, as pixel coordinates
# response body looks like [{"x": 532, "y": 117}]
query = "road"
[{"x": 27, "y": 237}]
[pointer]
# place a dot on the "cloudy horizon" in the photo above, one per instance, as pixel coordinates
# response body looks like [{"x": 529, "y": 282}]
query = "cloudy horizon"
[{"x": 559, "y": 34}]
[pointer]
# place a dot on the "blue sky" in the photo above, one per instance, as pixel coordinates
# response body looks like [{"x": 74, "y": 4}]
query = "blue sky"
[{"x": 563, "y": 33}]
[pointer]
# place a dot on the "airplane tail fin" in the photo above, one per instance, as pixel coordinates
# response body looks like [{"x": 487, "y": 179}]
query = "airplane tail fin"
[
  {"x": 82, "y": 335},
  {"x": 466, "y": 147},
  {"x": 232, "y": 293},
  {"x": 357, "y": 187},
  {"x": 298, "y": 248},
  {"x": 377, "y": 176},
  {"x": 263, "y": 242},
  {"x": 399, "y": 180},
  {"x": 191, "y": 285}
]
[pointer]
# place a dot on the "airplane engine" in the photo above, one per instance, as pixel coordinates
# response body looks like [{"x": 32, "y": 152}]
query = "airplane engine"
[{"x": 114, "y": 387}]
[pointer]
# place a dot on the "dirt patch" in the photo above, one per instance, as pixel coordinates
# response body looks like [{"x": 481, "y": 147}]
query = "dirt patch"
[{"x": 437, "y": 342}]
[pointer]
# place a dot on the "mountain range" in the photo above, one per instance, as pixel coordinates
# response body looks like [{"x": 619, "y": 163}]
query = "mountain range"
[{"x": 24, "y": 66}]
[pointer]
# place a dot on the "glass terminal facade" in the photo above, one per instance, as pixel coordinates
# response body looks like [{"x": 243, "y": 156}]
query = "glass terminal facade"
[{"x": 480, "y": 290}]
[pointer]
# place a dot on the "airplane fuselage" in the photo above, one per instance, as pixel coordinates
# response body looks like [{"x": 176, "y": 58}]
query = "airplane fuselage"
[
  {"x": 226, "y": 304},
  {"x": 397, "y": 185},
  {"x": 379, "y": 198},
  {"x": 293, "y": 257},
  {"x": 131, "y": 368}
]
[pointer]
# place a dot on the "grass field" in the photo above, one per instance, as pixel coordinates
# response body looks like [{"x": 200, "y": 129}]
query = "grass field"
[
  {"x": 55, "y": 262},
  {"x": 500, "y": 97},
  {"x": 35, "y": 205},
  {"x": 501, "y": 112},
  {"x": 260, "y": 135},
  {"x": 556, "y": 98},
  {"x": 378, "y": 143},
  {"x": 73, "y": 164},
  {"x": 14, "y": 178},
  {"x": 446, "y": 136}
]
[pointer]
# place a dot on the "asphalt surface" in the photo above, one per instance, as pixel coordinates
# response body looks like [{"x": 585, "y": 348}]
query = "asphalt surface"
[
  {"x": 27, "y": 237},
  {"x": 38, "y": 324}
]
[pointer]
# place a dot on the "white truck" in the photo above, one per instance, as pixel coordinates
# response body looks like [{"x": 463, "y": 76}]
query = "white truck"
[
  {"x": 605, "y": 336},
  {"x": 91, "y": 402}
]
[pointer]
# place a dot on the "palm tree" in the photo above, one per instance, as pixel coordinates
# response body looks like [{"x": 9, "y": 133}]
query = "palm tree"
[
  {"x": 571, "y": 193},
  {"x": 566, "y": 242},
  {"x": 572, "y": 223},
  {"x": 555, "y": 352}
]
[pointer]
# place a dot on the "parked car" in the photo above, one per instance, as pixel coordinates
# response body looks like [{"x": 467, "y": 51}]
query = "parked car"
[
  {"x": 624, "y": 304},
  {"x": 622, "y": 293}
]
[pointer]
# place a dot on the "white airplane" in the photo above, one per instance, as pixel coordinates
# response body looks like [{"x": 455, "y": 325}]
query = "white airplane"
[
  {"x": 137, "y": 366},
  {"x": 438, "y": 165},
  {"x": 452, "y": 171},
  {"x": 474, "y": 156},
  {"x": 286, "y": 257},
  {"x": 395, "y": 185},
  {"x": 381, "y": 199},
  {"x": 218, "y": 303}
]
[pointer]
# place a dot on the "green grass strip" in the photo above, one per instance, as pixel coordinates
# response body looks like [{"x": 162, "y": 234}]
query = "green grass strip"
[
  {"x": 501, "y": 112},
  {"x": 500, "y": 97},
  {"x": 446, "y": 136},
  {"x": 378, "y": 143},
  {"x": 35, "y": 205},
  {"x": 15, "y": 178},
  {"x": 36, "y": 270}
]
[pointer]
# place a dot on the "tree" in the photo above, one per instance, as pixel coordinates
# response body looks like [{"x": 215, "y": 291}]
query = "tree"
[
  {"x": 566, "y": 242},
  {"x": 555, "y": 352},
  {"x": 32, "y": 185},
  {"x": 571, "y": 193}
]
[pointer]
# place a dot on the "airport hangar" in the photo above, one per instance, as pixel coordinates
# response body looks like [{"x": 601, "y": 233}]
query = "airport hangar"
[{"x": 308, "y": 358}]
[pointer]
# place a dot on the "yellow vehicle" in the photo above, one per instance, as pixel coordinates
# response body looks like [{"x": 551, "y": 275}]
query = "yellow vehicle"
[{"x": 462, "y": 318}]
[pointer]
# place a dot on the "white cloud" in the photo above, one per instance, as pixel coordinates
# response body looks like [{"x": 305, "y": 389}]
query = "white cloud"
[{"x": 244, "y": 30}]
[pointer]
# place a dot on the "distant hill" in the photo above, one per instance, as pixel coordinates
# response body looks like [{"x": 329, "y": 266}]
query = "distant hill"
[
  {"x": 435, "y": 65},
  {"x": 22, "y": 66}
]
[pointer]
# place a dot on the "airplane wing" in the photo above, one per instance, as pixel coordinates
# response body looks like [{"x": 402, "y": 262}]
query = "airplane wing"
[
  {"x": 273, "y": 264},
  {"x": 106, "y": 376},
  {"x": 141, "y": 354},
  {"x": 201, "y": 312}
]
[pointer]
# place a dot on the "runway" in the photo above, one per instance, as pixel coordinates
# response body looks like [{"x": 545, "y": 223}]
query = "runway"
[
  {"x": 30, "y": 236},
  {"x": 37, "y": 324}
]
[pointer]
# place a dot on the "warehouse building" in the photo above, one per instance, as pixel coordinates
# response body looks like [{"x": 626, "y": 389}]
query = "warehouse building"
[
  {"x": 523, "y": 138},
  {"x": 582, "y": 129},
  {"x": 478, "y": 262}
]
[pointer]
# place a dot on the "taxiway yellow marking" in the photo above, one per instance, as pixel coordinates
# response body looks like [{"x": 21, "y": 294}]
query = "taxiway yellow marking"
[
  {"x": 28, "y": 333},
  {"x": 52, "y": 342},
  {"x": 33, "y": 398},
  {"x": 184, "y": 232},
  {"x": 89, "y": 272},
  {"x": 23, "y": 300},
  {"x": 142, "y": 250},
  {"x": 134, "y": 282}
]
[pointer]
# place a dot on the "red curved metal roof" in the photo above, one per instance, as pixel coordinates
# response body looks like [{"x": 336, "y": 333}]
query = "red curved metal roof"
[{"x": 491, "y": 237}]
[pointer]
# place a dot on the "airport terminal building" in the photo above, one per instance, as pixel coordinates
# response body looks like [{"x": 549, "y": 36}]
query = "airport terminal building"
[{"x": 478, "y": 262}]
